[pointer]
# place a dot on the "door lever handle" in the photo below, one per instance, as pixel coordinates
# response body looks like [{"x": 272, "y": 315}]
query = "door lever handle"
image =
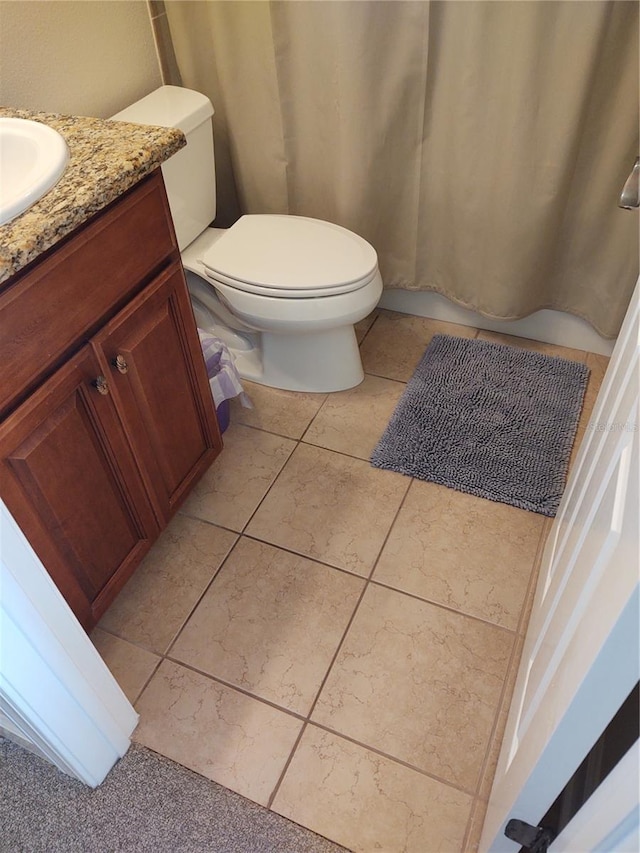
[{"x": 630, "y": 195}]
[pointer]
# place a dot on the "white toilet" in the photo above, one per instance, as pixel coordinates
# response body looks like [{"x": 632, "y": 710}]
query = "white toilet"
[{"x": 283, "y": 292}]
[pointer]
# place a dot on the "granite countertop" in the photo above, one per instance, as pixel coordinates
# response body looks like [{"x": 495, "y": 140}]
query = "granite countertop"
[{"x": 106, "y": 159}]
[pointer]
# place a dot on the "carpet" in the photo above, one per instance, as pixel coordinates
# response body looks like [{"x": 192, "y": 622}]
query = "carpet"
[
  {"x": 147, "y": 804},
  {"x": 492, "y": 420}
]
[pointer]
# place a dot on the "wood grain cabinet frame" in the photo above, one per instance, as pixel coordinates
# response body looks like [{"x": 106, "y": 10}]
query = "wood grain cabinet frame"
[{"x": 109, "y": 421}]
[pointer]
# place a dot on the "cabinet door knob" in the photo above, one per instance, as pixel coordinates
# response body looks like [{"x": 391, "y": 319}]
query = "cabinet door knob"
[
  {"x": 101, "y": 385},
  {"x": 120, "y": 364}
]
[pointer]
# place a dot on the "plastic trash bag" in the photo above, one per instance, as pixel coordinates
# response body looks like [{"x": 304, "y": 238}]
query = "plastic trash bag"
[{"x": 224, "y": 378}]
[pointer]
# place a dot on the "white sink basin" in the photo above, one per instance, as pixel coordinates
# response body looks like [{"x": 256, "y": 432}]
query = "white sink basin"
[{"x": 33, "y": 157}]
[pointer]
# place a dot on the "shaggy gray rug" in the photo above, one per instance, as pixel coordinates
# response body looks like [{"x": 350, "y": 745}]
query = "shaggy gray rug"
[
  {"x": 488, "y": 419},
  {"x": 147, "y": 804}
]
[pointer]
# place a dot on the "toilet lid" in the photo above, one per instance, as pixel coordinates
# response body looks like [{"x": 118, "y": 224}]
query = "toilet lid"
[{"x": 290, "y": 256}]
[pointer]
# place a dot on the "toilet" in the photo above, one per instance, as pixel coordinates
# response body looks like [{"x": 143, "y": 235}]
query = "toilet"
[{"x": 283, "y": 292}]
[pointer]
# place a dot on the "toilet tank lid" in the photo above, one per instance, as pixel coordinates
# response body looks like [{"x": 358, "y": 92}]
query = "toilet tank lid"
[{"x": 169, "y": 106}]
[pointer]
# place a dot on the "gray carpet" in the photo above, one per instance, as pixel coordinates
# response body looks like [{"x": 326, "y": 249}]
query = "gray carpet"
[
  {"x": 488, "y": 419},
  {"x": 146, "y": 803}
]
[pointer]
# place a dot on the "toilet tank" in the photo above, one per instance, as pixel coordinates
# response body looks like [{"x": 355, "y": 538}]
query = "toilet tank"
[{"x": 189, "y": 175}]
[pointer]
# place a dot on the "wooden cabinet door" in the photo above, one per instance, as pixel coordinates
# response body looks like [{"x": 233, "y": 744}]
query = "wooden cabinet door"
[
  {"x": 68, "y": 476},
  {"x": 151, "y": 354}
]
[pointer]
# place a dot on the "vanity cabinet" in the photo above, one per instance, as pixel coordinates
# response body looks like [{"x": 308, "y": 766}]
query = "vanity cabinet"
[
  {"x": 149, "y": 352},
  {"x": 108, "y": 416},
  {"x": 70, "y": 479}
]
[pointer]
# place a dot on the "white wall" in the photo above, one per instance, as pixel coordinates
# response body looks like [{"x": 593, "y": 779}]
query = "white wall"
[{"x": 80, "y": 57}]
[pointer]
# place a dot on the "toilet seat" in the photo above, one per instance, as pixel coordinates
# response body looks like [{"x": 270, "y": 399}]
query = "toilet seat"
[{"x": 292, "y": 257}]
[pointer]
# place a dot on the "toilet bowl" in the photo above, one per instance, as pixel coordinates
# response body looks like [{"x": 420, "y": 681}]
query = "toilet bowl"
[{"x": 282, "y": 291}]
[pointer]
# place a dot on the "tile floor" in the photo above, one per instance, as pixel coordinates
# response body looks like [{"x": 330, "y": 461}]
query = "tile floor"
[{"x": 334, "y": 641}]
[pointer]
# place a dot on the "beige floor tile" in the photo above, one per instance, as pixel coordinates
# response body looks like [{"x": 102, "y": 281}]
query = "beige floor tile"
[
  {"x": 235, "y": 740},
  {"x": 330, "y": 507},
  {"x": 364, "y": 325},
  {"x": 367, "y": 802},
  {"x": 270, "y": 623},
  {"x": 159, "y": 597},
  {"x": 466, "y": 552},
  {"x": 286, "y": 413},
  {"x": 536, "y": 346},
  {"x": 352, "y": 421},
  {"x": 419, "y": 683},
  {"x": 397, "y": 342},
  {"x": 130, "y": 665},
  {"x": 238, "y": 480}
]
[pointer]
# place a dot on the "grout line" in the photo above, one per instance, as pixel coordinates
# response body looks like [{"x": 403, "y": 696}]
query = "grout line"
[
  {"x": 134, "y": 643},
  {"x": 165, "y": 655},
  {"x": 306, "y": 429},
  {"x": 391, "y": 526},
  {"x": 232, "y": 686},
  {"x": 337, "y": 651},
  {"x": 299, "y": 442},
  {"x": 392, "y": 378},
  {"x": 347, "y": 455},
  {"x": 269, "y": 431},
  {"x": 287, "y": 764},
  {"x": 468, "y": 791},
  {"x": 312, "y": 421},
  {"x": 206, "y": 520},
  {"x": 147, "y": 682},
  {"x": 204, "y": 592},
  {"x": 447, "y": 607},
  {"x": 302, "y": 440},
  {"x": 374, "y": 321},
  {"x": 271, "y": 485},
  {"x": 289, "y": 550}
]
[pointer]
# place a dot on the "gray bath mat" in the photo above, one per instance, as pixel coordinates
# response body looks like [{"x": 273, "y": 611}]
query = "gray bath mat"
[{"x": 487, "y": 419}]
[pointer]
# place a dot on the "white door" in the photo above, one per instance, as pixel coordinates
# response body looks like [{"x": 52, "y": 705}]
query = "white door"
[
  {"x": 57, "y": 697},
  {"x": 580, "y": 659},
  {"x": 609, "y": 822}
]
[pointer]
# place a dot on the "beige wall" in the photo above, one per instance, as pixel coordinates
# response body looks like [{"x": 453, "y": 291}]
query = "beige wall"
[{"x": 76, "y": 57}]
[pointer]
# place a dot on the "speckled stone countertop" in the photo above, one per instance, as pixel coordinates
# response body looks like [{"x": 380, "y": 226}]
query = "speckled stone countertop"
[{"x": 106, "y": 159}]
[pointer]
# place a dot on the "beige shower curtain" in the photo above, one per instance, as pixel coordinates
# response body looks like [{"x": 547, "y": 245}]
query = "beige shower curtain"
[{"x": 479, "y": 146}]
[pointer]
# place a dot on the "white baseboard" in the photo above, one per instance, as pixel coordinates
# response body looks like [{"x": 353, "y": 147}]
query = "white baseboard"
[{"x": 553, "y": 327}]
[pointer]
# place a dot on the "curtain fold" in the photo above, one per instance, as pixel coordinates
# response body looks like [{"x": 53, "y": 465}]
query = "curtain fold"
[{"x": 479, "y": 146}]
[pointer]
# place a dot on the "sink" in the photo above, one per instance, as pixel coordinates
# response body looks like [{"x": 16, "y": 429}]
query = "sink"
[{"x": 33, "y": 157}]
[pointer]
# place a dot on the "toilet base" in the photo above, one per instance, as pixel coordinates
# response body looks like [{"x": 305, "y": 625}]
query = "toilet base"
[{"x": 314, "y": 361}]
